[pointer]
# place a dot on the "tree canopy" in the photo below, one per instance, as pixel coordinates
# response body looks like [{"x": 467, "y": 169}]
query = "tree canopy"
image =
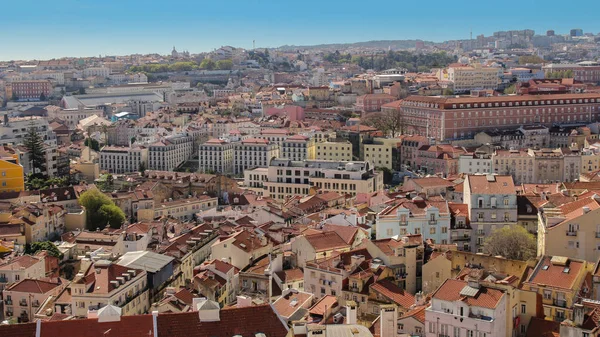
[
  {"x": 43, "y": 245},
  {"x": 224, "y": 64},
  {"x": 525, "y": 59},
  {"x": 208, "y": 64},
  {"x": 390, "y": 122},
  {"x": 101, "y": 210},
  {"x": 37, "y": 153},
  {"x": 33, "y": 183},
  {"x": 404, "y": 59},
  {"x": 511, "y": 242},
  {"x": 92, "y": 143}
]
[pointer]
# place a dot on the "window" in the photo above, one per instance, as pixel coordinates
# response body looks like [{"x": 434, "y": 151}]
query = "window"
[
  {"x": 432, "y": 230},
  {"x": 523, "y": 308},
  {"x": 547, "y": 294},
  {"x": 432, "y": 327},
  {"x": 389, "y": 232},
  {"x": 456, "y": 331}
]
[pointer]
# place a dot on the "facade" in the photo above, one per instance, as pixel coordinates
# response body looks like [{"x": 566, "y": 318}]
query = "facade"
[
  {"x": 117, "y": 159},
  {"x": 476, "y": 162},
  {"x": 21, "y": 268},
  {"x": 538, "y": 166},
  {"x": 23, "y": 299},
  {"x": 254, "y": 152},
  {"x": 430, "y": 218},
  {"x": 11, "y": 175},
  {"x": 71, "y": 117},
  {"x": 170, "y": 152},
  {"x": 333, "y": 151},
  {"x": 462, "y": 117},
  {"x": 104, "y": 283},
  {"x": 467, "y": 78},
  {"x": 298, "y": 147},
  {"x": 29, "y": 90},
  {"x": 372, "y": 102},
  {"x": 466, "y": 308},
  {"x": 183, "y": 209},
  {"x": 492, "y": 204},
  {"x": 216, "y": 155},
  {"x": 383, "y": 152},
  {"x": 580, "y": 72},
  {"x": 287, "y": 178}
]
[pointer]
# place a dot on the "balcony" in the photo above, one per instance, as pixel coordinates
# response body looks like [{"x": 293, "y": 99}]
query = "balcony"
[
  {"x": 35, "y": 303},
  {"x": 23, "y": 303},
  {"x": 433, "y": 222},
  {"x": 571, "y": 233},
  {"x": 560, "y": 303},
  {"x": 597, "y": 237},
  {"x": 8, "y": 302},
  {"x": 461, "y": 238},
  {"x": 3, "y": 279},
  {"x": 559, "y": 318}
]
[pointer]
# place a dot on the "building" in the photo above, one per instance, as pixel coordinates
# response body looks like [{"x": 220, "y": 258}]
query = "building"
[
  {"x": 583, "y": 72},
  {"x": 333, "y": 151},
  {"x": 383, "y": 152},
  {"x": 372, "y": 102},
  {"x": 479, "y": 161},
  {"x": 104, "y": 283},
  {"x": 538, "y": 166},
  {"x": 170, "y": 152},
  {"x": 21, "y": 268},
  {"x": 183, "y": 209},
  {"x": 446, "y": 118},
  {"x": 29, "y": 90},
  {"x": 571, "y": 229},
  {"x": 216, "y": 155},
  {"x": 298, "y": 148},
  {"x": 22, "y": 299},
  {"x": 12, "y": 178},
  {"x": 560, "y": 281},
  {"x": 287, "y": 178},
  {"x": 241, "y": 248},
  {"x": 492, "y": 204},
  {"x": 159, "y": 268},
  {"x": 317, "y": 246},
  {"x": 467, "y": 78},
  {"x": 466, "y": 308},
  {"x": 430, "y": 218},
  {"x": 72, "y": 116},
  {"x": 254, "y": 152},
  {"x": 122, "y": 159}
]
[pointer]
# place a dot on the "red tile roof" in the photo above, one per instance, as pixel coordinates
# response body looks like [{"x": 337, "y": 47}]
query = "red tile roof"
[
  {"x": 326, "y": 241},
  {"x": 539, "y": 327},
  {"x": 418, "y": 313},
  {"x": 394, "y": 293},
  {"x": 485, "y": 297},
  {"x": 554, "y": 275},
  {"x": 34, "y": 286},
  {"x": 499, "y": 185}
]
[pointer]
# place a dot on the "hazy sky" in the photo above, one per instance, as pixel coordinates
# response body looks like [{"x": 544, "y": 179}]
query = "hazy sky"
[{"x": 42, "y": 29}]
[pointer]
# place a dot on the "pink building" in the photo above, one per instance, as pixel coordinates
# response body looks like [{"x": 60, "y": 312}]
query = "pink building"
[
  {"x": 461, "y": 308},
  {"x": 372, "y": 102},
  {"x": 433, "y": 159},
  {"x": 23, "y": 299},
  {"x": 294, "y": 113}
]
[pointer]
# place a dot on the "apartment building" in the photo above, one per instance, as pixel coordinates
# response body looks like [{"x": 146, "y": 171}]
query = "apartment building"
[
  {"x": 316, "y": 246},
  {"x": 298, "y": 147},
  {"x": 216, "y": 155},
  {"x": 538, "y": 166},
  {"x": 430, "y": 218},
  {"x": 241, "y": 248},
  {"x": 333, "y": 151},
  {"x": 170, "y": 152},
  {"x": 29, "y": 90},
  {"x": 466, "y": 308},
  {"x": 372, "y": 102},
  {"x": 467, "y": 78},
  {"x": 492, "y": 204},
  {"x": 21, "y": 268},
  {"x": 383, "y": 152},
  {"x": 560, "y": 281},
  {"x": 254, "y": 152},
  {"x": 182, "y": 209},
  {"x": 11, "y": 174},
  {"x": 23, "y": 299},
  {"x": 123, "y": 159},
  {"x": 96, "y": 71},
  {"x": 453, "y": 117},
  {"x": 287, "y": 178},
  {"x": 588, "y": 73},
  {"x": 475, "y": 162},
  {"x": 103, "y": 283},
  {"x": 71, "y": 117}
]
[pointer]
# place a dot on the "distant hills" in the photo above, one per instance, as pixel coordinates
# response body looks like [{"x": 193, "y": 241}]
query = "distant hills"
[{"x": 381, "y": 44}]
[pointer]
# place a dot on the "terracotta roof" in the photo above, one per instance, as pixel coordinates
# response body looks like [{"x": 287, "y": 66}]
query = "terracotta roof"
[
  {"x": 387, "y": 246},
  {"x": 289, "y": 275},
  {"x": 24, "y": 261},
  {"x": 432, "y": 182},
  {"x": 418, "y": 313},
  {"x": 288, "y": 304},
  {"x": 485, "y": 297},
  {"x": 34, "y": 286},
  {"x": 325, "y": 303},
  {"x": 326, "y": 241},
  {"x": 347, "y": 233},
  {"x": 499, "y": 184},
  {"x": 394, "y": 293},
  {"x": 553, "y": 275},
  {"x": 539, "y": 327}
]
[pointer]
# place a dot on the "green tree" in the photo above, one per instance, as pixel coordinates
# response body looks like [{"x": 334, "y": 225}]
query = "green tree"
[
  {"x": 224, "y": 64},
  {"x": 448, "y": 92},
  {"x": 92, "y": 143},
  {"x": 525, "y": 59},
  {"x": 33, "y": 183},
  {"x": 207, "y": 64},
  {"x": 98, "y": 216},
  {"x": 112, "y": 215},
  {"x": 82, "y": 91},
  {"x": 44, "y": 245},
  {"x": 14, "y": 97},
  {"x": 37, "y": 154},
  {"x": 142, "y": 168},
  {"x": 511, "y": 90},
  {"x": 42, "y": 97},
  {"x": 511, "y": 242}
]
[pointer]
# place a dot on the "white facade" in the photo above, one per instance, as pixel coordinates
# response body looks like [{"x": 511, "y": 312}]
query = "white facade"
[
  {"x": 216, "y": 156},
  {"x": 170, "y": 152},
  {"x": 97, "y": 71},
  {"x": 252, "y": 153},
  {"x": 119, "y": 160},
  {"x": 473, "y": 164}
]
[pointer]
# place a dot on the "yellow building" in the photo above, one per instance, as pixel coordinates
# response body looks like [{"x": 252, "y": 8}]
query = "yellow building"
[
  {"x": 571, "y": 230},
  {"x": 333, "y": 151},
  {"x": 590, "y": 161},
  {"x": 380, "y": 152},
  {"x": 298, "y": 147},
  {"x": 467, "y": 78},
  {"x": 11, "y": 174},
  {"x": 560, "y": 281}
]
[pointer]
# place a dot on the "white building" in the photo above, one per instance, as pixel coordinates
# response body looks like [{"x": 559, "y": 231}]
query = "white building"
[
  {"x": 466, "y": 309},
  {"x": 298, "y": 147},
  {"x": 72, "y": 117},
  {"x": 473, "y": 163},
  {"x": 253, "y": 152},
  {"x": 121, "y": 159},
  {"x": 216, "y": 155},
  {"x": 168, "y": 153},
  {"x": 96, "y": 71}
]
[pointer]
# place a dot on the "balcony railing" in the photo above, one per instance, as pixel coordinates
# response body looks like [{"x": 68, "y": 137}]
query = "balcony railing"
[
  {"x": 8, "y": 302},
  {"x": 571, "y": 233},
  {"x": 432, "y": 222},
  {"x": 559, "y": 318},
  {"x": 3, "y": 279},
  {"x": 23, "y": 303},
  {"x": 35, "y": 303},
  {"x": 560, "y": 303},
  {"x": 597, "y": 237}
]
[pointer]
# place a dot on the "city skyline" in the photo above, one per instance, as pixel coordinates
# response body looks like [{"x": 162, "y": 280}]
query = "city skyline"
[{"x": 79, "y": 29}]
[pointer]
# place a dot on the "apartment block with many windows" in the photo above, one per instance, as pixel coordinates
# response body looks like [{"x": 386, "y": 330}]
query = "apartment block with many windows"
[
  {"x": 170, "y": 152},
  {"x": 121, "y": 159},
  {"x": 216, "y": 155}
]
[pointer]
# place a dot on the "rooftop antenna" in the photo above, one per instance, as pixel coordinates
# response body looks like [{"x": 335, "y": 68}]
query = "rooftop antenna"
[{"x": 253, "y": 44}]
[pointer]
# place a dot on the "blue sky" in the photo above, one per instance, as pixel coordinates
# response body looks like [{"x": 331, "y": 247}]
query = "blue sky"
[{"x": 40, "y": 29}]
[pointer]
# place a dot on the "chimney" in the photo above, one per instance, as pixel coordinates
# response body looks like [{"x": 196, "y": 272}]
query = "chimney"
[
  {"x": 578, "y": 314},
  {"x": 155, "y": 323},
  {"x": 170, "y": 291},
  {"x": 208, "y": 311},
  {"x": 351, "y": 312},
  {"x": 419, "y": 299},
  {"x": 388, "y": 320},
  {"x": 243, "y": 301},
  {"x": 6, "y": 119},
  {"x": 38, "y": 324}
]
